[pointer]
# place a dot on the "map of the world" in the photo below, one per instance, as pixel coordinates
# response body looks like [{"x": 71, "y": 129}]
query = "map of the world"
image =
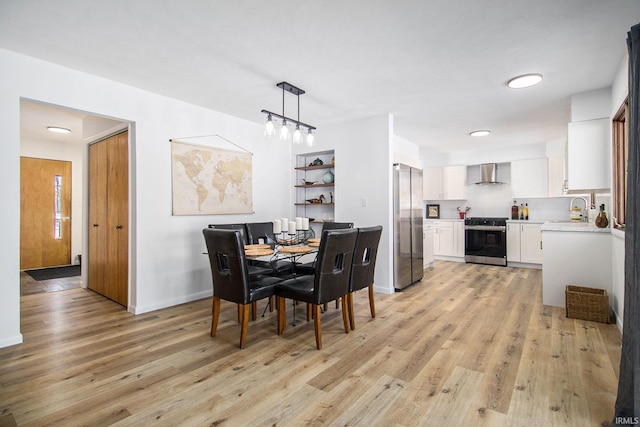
[{"x": 209, "y": 180}]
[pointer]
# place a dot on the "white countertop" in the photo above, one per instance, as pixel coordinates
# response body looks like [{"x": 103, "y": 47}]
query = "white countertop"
[
  {"x": 526, "y": 221},
  {"x": 584, "y": 227}
]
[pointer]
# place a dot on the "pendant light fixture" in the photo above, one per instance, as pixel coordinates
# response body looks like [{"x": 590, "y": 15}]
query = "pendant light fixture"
[{"x": 285, "y": 132}]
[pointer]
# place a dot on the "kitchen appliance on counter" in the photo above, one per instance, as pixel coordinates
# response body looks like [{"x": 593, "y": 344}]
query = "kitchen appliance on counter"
[
  {"x": 485, "y": 240},
  {"x": 408, "y": 265}
]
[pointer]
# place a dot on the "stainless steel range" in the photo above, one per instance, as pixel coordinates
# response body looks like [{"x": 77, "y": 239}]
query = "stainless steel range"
[{"x": 485, "y": 240}]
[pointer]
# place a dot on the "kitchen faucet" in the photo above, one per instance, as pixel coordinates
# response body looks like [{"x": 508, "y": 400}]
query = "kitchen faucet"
[{"x": 585, "y": 215}]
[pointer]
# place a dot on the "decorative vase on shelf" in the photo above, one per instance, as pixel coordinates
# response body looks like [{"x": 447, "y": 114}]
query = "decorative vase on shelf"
[
  {"x": 601, "y": 219},
  {"x": 328, "y": 177}
]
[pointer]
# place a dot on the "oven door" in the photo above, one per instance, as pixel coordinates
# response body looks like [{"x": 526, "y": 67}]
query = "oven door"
[{"x": 485, "y": 244}]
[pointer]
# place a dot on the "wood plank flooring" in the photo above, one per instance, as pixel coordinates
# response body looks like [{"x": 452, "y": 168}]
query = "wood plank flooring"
[{"x": 469, "y": 345}]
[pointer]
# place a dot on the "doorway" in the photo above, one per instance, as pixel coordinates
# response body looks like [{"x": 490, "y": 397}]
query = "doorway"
[{"x": 37, "y": 142}]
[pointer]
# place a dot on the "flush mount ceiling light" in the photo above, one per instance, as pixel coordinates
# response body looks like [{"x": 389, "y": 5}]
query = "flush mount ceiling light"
[
  {"x": 285, "y": 132},
  {"x": 480, "y": 133},
  {"x": 58, "y": 129},
  {"x": 525, "y": 80}
]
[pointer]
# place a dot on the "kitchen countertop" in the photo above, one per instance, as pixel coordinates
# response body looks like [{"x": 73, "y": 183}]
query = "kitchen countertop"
[
  {"x": 526, "y": 221},
  {"x": 583, "y": 227}
]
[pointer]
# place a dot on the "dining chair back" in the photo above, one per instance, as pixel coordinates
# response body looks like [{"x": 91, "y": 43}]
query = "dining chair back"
[
  {"x": 332, "y": 225},
  {"x": 364, "y": 265},
  {"x": 310, "y": 267},
  {"x": 231, "y": 279},
  {"x": 260, "y": 230},
  {"x": 330, "y": 281}
]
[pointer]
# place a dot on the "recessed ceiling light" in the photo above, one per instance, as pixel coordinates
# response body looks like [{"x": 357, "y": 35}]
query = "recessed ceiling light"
[
  {"x": 480, "y": 133},
  {"x": 58, "y": 129},
  {"x": 526, "y": 80}
]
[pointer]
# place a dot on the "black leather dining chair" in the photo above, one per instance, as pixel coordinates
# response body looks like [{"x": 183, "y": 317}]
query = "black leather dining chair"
[
  {"x": 256, "y": 267},
  {"x": 330, "y": 281},
  {"x": 309, "y": 267},
  {"x": 231, "y": 279},
  {"x": 264, "y": 231},
  {"x": 364, "y": 266}
]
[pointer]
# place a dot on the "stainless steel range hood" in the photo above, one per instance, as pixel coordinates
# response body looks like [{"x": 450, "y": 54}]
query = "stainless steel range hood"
[{"x": 488, "y": 174}]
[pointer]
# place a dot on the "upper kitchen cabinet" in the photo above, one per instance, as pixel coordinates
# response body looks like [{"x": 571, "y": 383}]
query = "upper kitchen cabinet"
[
  {"x": 530, "y": 178},
  {"x": 588, "y": 155},
  {"x": 445, "y": 183},
  {"x": 557, "y": 176}
]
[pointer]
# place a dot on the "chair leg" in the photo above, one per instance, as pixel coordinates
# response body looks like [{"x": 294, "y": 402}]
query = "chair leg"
[
  {"x": 271, "y": 302},
  {"x": 244, "y": 324},
  {"x": 352, "y": 317},
  {"x": 317, "y": 327},
  {"x": 372, "y": 304},
  {"x": 254, "y": 308},
  {"x": 282, "y": 315},
  {"x": 215, "y": 312},
  {"x": 325, "y": 308},
  {"x": 338, "y": 303},
  {"x": 345, "y": 313}
]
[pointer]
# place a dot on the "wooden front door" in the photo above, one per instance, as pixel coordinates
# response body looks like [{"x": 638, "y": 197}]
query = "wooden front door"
[
  {"x": 108, "y": 257},
  {"x": 45, "y": 213}
]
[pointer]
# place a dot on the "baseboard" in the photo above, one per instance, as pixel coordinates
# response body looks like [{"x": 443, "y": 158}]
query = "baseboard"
[
  {"x": 524, "y": 265},
  {"x": 9, "y": 341},
  {"x": 449, "y": 258},
  {"x": 169, "y": 303}
]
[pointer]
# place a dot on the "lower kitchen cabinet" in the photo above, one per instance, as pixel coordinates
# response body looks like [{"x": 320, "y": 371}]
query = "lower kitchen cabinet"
[
  {"x": 524, "y": 243},
  {"x": 448, "y": 238},
  {"x": 428, "y": 246}
]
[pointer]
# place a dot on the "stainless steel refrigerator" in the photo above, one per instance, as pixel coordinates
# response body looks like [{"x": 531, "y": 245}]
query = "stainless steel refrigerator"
[{"x": 407, "y": 229}]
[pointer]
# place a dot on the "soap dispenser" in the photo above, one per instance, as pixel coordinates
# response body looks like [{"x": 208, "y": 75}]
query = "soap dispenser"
[{"x": 601, "y": 219}]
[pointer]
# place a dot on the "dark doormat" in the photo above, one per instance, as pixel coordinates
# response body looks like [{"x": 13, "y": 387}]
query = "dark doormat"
[{"x": 54, "y": 272}]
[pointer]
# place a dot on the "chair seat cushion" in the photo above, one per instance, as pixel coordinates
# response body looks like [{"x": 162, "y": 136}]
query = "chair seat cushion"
[
  {"x": 260, "y": 270},
  {"x": 262, "y": 287},
  {"x": 298, "y": 288}
]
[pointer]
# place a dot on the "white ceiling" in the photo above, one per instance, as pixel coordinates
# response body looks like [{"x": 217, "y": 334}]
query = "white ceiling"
[{"x": 440, "y": 67}]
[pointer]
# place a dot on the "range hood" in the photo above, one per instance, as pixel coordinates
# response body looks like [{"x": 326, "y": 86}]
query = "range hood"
[{"x": 488, "y": 174}]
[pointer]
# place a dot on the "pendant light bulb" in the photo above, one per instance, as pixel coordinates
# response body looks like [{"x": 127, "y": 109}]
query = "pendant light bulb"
[
  {"x": 284, "y": 131},
  {"x": 297, "y": 135},
  {"x": 269, "y": 127},
  {"x": 310, "y": 138}
]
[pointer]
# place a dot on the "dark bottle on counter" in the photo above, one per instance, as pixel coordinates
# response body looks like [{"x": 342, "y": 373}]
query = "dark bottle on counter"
[
  {"x": 514, "y": 210},
  {"x": 526, "y": 211},
  {"x": 521, "y": 211},
  {"x": 601, "y": 219}
]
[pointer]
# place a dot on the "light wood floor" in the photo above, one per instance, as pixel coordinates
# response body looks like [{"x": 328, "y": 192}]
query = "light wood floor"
[{"x": 470, "y": 346}]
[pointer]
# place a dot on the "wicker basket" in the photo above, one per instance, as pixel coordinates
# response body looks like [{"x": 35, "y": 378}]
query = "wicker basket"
[{"x": 587, "y": 303}]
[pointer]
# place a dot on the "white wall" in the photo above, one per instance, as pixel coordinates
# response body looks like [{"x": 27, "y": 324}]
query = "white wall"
[
  {"x": 593, "y": 104},
  {"x": 406, "y": 152},
  {"x": 57, "y": 150},
  {"x": 363, "y": 152},
  {"x": 167, "y": 264}
]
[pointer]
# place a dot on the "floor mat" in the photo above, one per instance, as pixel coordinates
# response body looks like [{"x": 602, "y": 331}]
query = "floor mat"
[{"x": 54, "y": 272}]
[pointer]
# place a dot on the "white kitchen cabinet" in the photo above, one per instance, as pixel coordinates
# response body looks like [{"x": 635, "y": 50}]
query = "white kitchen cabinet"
[
  {"x": 524, "y": 243},
  {"x": 428, "y": 246},
  {"x": 445, "y": 183},
  {"x": 530, "y": 178},
  {"x": 574, "y": 258},
  {"x": 557, "y": 176},
  {"x": 449, "y": 238},
  {"x": 513, "y": 242},
  {"x": 531, "y": 243},
  {"x": 588, "y": 155}
]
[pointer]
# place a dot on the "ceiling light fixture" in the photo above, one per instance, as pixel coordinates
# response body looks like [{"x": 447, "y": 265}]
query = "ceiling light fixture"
[
  {"x": 480, "y": 133},
  {"x": 58, "y": 129},
  {"x": 525, "y": 80},
  {"x": 285, "y": 132}
]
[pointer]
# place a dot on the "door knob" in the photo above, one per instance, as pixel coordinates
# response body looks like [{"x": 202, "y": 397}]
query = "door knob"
[{"x": 95, "y": 225}]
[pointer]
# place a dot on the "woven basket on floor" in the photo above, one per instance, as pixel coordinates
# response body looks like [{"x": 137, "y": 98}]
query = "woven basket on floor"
[{"x": 587, "y": 303}]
